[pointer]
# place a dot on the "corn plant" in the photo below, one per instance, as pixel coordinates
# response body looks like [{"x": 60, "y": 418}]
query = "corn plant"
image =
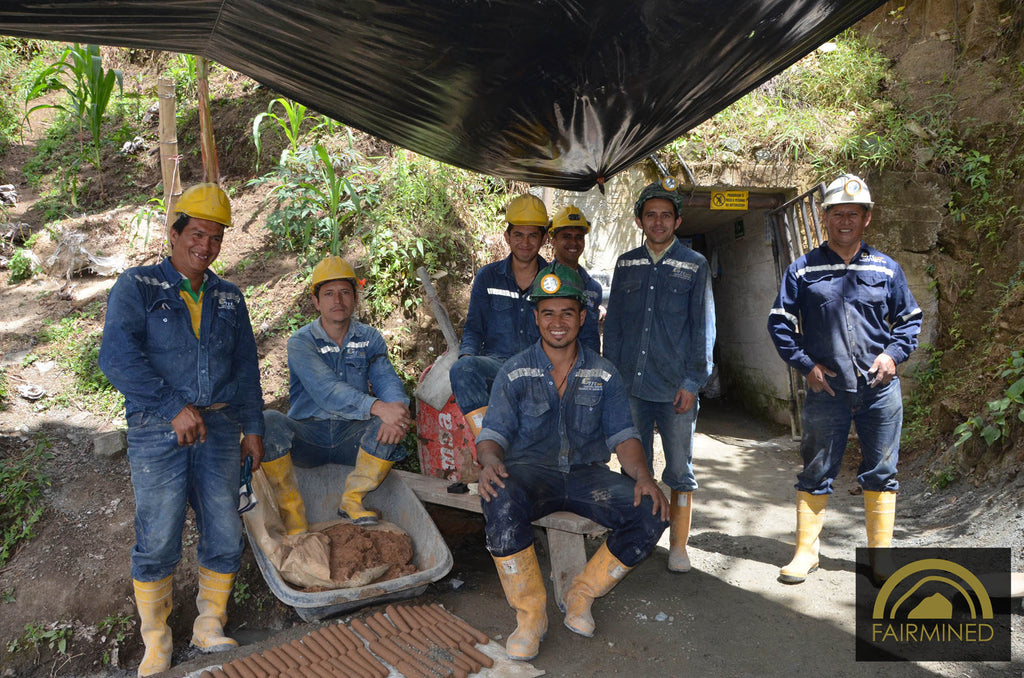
[
  {"x": 295, "y": 115},
  {"x": 79, "y": 72}
]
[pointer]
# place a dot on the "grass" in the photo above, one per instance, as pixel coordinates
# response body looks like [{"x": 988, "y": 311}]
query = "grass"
[{"x": 22, "y": 480}]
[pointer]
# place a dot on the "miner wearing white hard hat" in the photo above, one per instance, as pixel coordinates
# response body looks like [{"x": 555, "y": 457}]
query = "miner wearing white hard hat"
[
  {"x": 346, "y": 403},
  {"x": 177, "y": 342},
  {"x": 845, "y": 318},
  {"x": 499, "y": 322}
]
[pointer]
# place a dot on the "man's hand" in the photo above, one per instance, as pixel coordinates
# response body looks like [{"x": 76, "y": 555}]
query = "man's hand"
[
  {"x": 489, "y": 455},
  {"x": 816, "y": 379},
  {"x": 683, "y": 401},
  {"x": 883, "y": 369},
  {"x": 189, "y": 426},
  {"x": 395, "y": 420},
  {"x": 647, "y": 486},
  {"x": 252, "y": 446}
]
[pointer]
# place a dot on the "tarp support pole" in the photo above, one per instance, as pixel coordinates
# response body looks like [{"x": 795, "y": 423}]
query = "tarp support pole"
[
  {"x": 211, "y": 170},
  {"x": 169, "y": 157}
]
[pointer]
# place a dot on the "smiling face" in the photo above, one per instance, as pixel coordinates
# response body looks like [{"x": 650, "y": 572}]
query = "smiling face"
[
  {"x": 568, "y": 244},
  {"x": 659, "y": 222},
  {"x": 846, "y": 225},
  {"x": 525, "y": 242},
  {"x": 336, "y": 301},
  {"x": 559, "y": 320},
  {"x": 196, "y": 248}
]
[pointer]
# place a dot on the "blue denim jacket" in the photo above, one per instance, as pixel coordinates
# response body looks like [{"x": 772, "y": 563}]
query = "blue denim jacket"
[
  {"x": 151, "y": 355},
  {"x": 660, "y": 326},
  {"x": 534, "y": 426},
  {"x": 843, "y": 316},
  {"x": 328, "y": 381},
  {"x": 590, "y": 333},
  {"x": 500, "y": 320}
]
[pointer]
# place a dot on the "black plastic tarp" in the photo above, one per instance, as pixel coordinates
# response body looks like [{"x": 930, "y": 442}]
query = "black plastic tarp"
[{"x": 553, "y": 92}]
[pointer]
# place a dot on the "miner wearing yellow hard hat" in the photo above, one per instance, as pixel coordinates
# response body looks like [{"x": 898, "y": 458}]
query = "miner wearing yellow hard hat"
[
  {"x": 568, "y": 234},
  {"x": 500, "y": 321},
  {"x": 177, "y": 342},
  {"x": 335, "y": 362}
]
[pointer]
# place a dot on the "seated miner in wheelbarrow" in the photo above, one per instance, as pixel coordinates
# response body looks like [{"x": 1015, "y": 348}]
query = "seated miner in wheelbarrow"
[
  {"x": 333, "y": 363},
  {"x": 556, "y": 412}
]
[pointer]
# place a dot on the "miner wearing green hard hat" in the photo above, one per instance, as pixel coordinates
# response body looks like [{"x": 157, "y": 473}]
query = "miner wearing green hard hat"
[
  {"x": 177, "y": 342},
  {"x": 556, "y": 413},
  {"x": 660, "y": 332}
]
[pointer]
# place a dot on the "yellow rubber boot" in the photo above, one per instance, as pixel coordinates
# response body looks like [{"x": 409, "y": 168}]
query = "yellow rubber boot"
[
  {"x": 366, "y": 477},
  {"x": 281, "y": 475},
  {"x": 153, "y": 600},
  {"x": 679, "y": 531},
  {"x": 524, "y": 590},
  {"x": 600, "y": 576},
  {"x": 810, "y": 516},
  {"x": 879, "y": 518},
  {"x": 212, "y": 601}
]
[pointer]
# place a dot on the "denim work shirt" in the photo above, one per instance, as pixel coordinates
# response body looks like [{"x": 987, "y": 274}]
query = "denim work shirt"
[
  {"x": 500, "y": 320},
  {"x": 151, "y": 354},
  {"x": 534, "y": 426},
  {"x": 328, "y": 381},
  {"x": 843, "y": 316},
  {"x": 590, "y": 333},
  {"x": 660, "y": 326}
]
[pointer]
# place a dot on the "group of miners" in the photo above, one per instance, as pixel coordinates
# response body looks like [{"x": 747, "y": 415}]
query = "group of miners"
[{"x": 546, "y": 403}]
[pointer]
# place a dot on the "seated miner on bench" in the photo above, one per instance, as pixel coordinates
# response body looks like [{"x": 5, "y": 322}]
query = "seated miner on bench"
[
  {"x": 333, "y": 362},
  {"x": 556, "y": 411}
]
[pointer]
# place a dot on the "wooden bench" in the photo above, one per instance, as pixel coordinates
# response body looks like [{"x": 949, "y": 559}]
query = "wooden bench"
[{"x": 565, "y": 531}]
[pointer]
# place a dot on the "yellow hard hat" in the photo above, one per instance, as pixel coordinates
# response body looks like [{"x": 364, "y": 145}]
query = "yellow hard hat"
[
  {"x": 332, "y": 268},
  {"x": 527, "y": 210},
  {"x": 205, "y": 201},
  {"x": 569, "y": 217}
]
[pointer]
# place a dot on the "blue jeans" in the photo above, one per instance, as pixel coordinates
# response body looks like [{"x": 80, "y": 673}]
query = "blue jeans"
[
  {"x": 676, "y": 438},
  {"x": 593, "y": 491},
  {"x": 166, "y": 477},
  {"x": 315, "y": 442},
  {"x": 472, "y": 377},
  {"x": 878, "y": 413}
]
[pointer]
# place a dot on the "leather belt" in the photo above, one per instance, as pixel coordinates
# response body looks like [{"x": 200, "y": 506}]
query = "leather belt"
[{"x": 212, "y": 408}]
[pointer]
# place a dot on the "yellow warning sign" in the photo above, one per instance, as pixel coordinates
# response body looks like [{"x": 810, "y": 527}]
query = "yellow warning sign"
[{"x": 729, "y": 200}]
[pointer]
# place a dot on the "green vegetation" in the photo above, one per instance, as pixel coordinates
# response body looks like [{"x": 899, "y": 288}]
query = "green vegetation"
[
  {"x": 55, "y": 636},
  {"x": 22, "y": 480},
  {"x": 115, "y": 629},
  {"x": 80, "y": 74},
  {"x": 3, "y": 388},
  {"x": 1002, "y": 415}
]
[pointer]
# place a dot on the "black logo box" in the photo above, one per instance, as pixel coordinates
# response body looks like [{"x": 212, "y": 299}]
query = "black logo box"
[{"x": 941, "y": 604}]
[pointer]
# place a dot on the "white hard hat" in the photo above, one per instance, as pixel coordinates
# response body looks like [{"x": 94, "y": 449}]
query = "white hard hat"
[{"x": 847, "y": 189}]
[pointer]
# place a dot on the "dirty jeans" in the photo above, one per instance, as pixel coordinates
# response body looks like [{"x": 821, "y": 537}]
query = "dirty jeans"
[
  {"x": 472, "y": 377},
  {"x": 878, "y": 413},
  {"x": 166, "y": 477},
  {"x": 315, "y": 442},
  {"x": 592, "y": 491},
  {"x": 676, "y": 439}
]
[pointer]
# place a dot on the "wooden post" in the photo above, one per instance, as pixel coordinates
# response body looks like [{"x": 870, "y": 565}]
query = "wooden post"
[
  {"x": 169, "y": 157},
  {"x": 211, "y": 170}
]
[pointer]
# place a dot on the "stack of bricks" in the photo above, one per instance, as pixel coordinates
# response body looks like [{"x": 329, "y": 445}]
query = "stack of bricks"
[{"x": 419, "y": 641}]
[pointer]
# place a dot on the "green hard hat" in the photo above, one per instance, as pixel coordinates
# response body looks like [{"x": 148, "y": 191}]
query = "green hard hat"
[
  {"x": 558, "y": 280},
  {"x": 657, "y": 190}
]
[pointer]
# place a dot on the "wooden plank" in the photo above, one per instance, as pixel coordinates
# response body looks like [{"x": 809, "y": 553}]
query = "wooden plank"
[
  {"x": 435, "y": 491},
  {"x": 568, "y": 558}
]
